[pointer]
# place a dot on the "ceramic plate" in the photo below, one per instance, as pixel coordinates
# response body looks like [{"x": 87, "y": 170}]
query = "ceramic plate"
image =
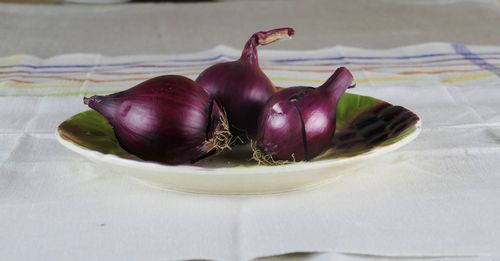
[{"x": 366, "y": 127}]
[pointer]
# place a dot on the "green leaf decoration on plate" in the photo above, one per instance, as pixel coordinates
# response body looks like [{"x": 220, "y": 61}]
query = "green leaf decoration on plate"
[
  {"x": 91, "y": 130},
  {"x": 363, "y": 123}
]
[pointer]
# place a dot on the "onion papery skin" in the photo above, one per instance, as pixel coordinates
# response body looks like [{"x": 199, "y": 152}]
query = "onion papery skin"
[
  {"x": 242, "y": 93},
  {"x": 240, "y": 86},
  {"x": 167, "y": 119},
  {"x": 298, "y": 123}
]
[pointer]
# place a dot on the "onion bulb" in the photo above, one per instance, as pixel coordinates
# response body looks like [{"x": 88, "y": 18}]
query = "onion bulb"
[
  {"x": 298, "y": 123},
  {"x": 167, "y": 119},
  {"x": 241, "y": 86}
]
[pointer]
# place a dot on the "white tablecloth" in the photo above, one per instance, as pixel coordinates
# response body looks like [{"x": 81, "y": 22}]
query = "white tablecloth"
[{"x": 436, "y": 198}]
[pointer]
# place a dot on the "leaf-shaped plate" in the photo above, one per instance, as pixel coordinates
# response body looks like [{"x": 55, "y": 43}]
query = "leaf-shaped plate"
[{"x": 366, "y": 127}]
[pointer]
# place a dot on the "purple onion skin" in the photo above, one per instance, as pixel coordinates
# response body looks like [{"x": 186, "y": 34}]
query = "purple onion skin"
[
  {"x": 298, "y": 123},
  {"x": 242, "y": 93},
  {"x": 241, "y": 86},
  {"x": 167, "y": 119}
]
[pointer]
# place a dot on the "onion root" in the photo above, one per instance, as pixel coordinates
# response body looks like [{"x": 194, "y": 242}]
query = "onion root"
[{"x": 263, "y": 158}]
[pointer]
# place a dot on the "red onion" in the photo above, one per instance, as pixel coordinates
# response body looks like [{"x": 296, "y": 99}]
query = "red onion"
[
  {"x": 241, "y": 86},
  {"x": 167, "y": 119},
  {"x": 298, "y": 123}
]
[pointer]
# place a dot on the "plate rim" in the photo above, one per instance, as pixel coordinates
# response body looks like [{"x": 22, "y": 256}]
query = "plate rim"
[{"x": 237, "y": 170}]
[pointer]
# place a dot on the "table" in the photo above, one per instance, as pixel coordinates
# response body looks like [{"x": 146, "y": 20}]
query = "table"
[{"x": 178, "y": 28}]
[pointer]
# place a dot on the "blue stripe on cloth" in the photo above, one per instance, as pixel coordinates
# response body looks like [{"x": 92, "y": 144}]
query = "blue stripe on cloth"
[
  {"x": 463, "y": 50},
  {"x": 405, "y": 57},
  {"x": 209, "y": 59},
  {"x": 460, "y": 50}
]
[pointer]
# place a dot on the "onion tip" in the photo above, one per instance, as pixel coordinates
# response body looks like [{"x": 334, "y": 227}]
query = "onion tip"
[{"x": 274, "y": 35}]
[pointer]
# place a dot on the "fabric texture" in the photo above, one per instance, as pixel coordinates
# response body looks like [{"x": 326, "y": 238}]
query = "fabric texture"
[{"x": 436, "y": 198}]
